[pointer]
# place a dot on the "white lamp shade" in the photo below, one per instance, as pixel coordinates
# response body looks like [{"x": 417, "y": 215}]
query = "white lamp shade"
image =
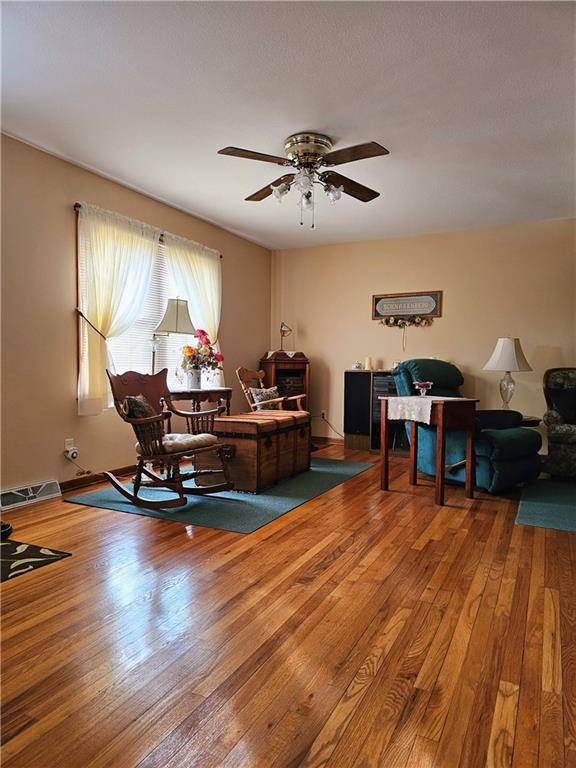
[
  {"x": 507, "y": 356},
  {"x": 176, "y": 318}
]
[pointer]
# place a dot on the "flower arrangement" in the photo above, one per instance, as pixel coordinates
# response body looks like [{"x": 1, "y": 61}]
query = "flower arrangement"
[
  {"x": 201, "y": 357},
  {"x": 406, "y": 321}
]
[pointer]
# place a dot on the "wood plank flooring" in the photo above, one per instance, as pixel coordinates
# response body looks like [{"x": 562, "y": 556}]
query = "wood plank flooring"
[{"x": 361, "y": 629}]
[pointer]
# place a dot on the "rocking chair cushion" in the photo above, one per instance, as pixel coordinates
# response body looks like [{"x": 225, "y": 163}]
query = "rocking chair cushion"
[{"x": 177, "y": 443}]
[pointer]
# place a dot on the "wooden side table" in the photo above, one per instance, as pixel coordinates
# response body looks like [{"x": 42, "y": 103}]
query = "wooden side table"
[
  {"x": 458, "y": 414},
  {"x": 198, "y": 396}
]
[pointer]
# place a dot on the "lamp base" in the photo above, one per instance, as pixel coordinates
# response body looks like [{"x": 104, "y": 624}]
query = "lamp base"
[{"x": 507, "y": 387}]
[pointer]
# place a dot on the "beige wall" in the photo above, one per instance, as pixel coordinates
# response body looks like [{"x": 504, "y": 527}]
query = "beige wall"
[
  {"x": 517, "y": 281},
  {"x": 510, "y": 281},
  {"x": 39, "y": 324}
]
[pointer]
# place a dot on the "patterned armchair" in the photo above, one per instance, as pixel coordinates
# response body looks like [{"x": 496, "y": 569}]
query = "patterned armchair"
[{"x": 560, "y": 418}]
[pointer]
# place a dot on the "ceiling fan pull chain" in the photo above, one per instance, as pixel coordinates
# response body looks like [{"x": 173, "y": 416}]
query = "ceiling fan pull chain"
[{"x": 313, "y": 208}]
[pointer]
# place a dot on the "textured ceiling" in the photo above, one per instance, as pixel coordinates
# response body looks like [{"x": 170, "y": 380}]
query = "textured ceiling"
[{"x": 475, "y": 102}]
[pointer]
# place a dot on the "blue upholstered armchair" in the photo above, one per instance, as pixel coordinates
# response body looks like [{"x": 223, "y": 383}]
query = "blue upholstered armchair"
[
  {"x": 560, "y": 418},
  {"x": 506, "y": 453}
]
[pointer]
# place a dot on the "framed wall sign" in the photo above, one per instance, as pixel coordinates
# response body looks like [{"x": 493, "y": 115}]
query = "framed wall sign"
[{"x": 421, "y": 305}]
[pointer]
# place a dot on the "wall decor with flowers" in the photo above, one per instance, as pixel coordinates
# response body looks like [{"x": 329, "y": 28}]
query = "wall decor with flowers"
[{"x": 402, "y": 310}]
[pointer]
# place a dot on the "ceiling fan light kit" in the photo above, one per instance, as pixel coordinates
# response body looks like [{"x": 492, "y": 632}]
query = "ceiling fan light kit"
[
  {"x": 307, "y": 147},
  {"x": 308, "y": 153}
]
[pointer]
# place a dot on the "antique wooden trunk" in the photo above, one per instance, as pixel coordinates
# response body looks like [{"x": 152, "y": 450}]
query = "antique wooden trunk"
[
  {"x": 267, "y": 446},
  {"x": 293, "y": 433}
]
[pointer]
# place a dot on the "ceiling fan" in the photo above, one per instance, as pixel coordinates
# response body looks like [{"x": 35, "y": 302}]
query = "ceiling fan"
[{"x": 309, "y": 154}]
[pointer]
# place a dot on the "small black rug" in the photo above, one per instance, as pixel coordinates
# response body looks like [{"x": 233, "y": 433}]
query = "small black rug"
[{"x": 17, "y": 558}]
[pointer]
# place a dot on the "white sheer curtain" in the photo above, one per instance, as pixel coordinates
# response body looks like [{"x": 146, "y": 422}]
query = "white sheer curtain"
[
  {"x": 115, "y": 259},
  {"x": 197, "y": 272}
]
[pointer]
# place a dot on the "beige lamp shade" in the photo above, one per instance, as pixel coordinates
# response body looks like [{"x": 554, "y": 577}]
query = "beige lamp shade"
[
  {"x": 176, "y": 318},
  {"x": 507, "y": 356}
]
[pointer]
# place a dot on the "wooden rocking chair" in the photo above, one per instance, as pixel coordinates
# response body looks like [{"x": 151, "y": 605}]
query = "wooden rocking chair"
[
  {"x": 157, "y": 445},
  {"x": 248, "y": 378}
]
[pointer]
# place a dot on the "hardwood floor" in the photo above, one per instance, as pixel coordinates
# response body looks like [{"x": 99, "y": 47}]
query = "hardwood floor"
[{"x": 361, "y": 629}]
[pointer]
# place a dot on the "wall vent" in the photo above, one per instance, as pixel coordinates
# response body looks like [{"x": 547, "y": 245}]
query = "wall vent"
[{"x": 28, "y": 494}]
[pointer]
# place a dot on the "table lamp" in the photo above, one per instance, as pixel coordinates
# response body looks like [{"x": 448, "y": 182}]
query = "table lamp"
[
  {"x": 176, "y": 320},
  {"x": 507, "y": 356},
  {"x": 285, "y": 331}
]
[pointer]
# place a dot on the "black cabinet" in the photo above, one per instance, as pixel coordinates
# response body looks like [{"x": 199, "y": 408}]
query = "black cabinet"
[
  {"x": 357, "y": 398},
  {"x": 362, "y": 410}
]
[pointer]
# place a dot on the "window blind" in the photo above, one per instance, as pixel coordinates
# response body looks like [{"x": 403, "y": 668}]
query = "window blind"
[{"x": 132, "y": 351}]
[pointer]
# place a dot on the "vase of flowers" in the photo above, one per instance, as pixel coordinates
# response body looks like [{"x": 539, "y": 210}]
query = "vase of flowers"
[
  {"x": 189, "y": 370},
  {"x": 198, "y": 359},
  {"x": 194, "y": 379}
]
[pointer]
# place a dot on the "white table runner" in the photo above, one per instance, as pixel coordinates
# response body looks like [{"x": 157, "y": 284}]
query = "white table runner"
[{"x": 413, "y": 408}]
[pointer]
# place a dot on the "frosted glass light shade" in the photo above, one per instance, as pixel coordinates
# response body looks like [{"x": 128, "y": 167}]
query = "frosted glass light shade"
[
  {"x": 508, "y": 356},
  {"x": 176, "y": 318}
]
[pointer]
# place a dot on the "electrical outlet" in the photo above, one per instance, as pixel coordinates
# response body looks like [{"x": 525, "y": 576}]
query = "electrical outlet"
[
  {"x": 323, "y": 415},
  {"x": 68, "y": 443}
]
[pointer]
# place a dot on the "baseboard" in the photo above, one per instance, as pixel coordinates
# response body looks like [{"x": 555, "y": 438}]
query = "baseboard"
[
  {"x": 82, "y": 482},
  {"x": 322, "y": 440}
]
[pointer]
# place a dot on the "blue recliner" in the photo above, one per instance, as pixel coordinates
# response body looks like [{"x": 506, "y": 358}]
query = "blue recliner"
[{"x": 506, "y": 453}]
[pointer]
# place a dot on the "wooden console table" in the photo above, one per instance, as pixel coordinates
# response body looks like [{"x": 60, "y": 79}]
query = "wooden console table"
[
  {"x": 446, "y": 415},
  {"x": 197, "y": 396}
]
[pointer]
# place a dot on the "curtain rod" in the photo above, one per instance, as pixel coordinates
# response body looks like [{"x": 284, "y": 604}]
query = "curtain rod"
[{"x": 78, "y": 206}]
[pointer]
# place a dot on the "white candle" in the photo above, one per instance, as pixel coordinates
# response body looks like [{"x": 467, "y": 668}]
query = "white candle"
[{"x": 368, "y": 364}]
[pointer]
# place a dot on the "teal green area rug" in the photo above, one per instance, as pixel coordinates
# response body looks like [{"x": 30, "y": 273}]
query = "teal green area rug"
[
  {"x": 233, "y": 511},
  {"x": 549, "y": 504}
]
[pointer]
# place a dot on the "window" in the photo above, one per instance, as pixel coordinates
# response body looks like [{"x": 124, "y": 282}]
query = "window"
[
  {"x": 127, "y": 272},
  {"x": 132, "y": 351}
]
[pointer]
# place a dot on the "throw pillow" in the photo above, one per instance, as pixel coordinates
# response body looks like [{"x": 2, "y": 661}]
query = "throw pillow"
[
  {"x": 260, "y": 396},
  {"x": 137, "y": 407}
]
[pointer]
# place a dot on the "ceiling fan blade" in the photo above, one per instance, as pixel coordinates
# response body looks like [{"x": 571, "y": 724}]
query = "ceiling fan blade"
[
  {"x": 352, "y": 188},
  {"x": 358, "y": 152},
  {"x": 267, "y": 190},
  {"x": 250, "y": 155}
]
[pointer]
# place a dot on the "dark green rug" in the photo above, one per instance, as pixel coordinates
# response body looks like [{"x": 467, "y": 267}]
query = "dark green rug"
[
  {"x": 549, "y": 504},
  {"x": 233, "y": 511},
  {"x": 17, "y": 558}
]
